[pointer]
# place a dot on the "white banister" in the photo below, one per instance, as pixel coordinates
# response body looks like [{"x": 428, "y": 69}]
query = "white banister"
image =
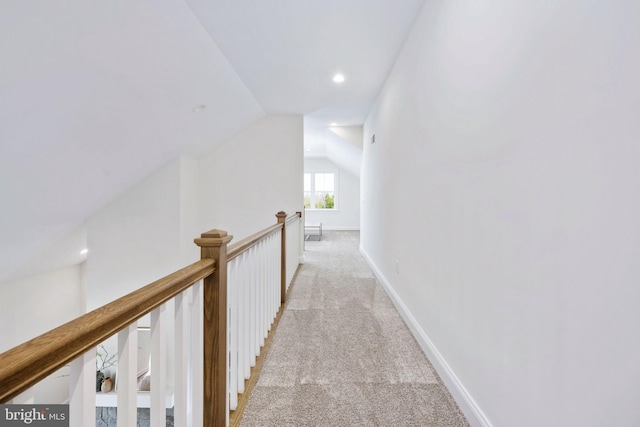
[
  {"x": 158, "y": 368},
  {"x": 276, "y": 280},
  {"x": 181, "y": 358},
  {"x": 255, "y": 339},
  {"x": 196, "y": 357},
  {"x": 262, "y": 290},
  {"x": 82, "y": 390},
  {"x": 254, "y": 298},
  {"x": 175, "y": 303},
  {"x": 270, "y": 307},
  {"x": 242, "y": 372},
  {"x": 275, "y": 277},
  {"x": 127, "y": 361},
  {"x": 248, "y": 288},
  {"x": 232, "y": 333}
]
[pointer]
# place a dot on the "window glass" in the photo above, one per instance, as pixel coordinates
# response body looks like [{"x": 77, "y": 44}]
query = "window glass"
[{"x": 319, "y": 190}]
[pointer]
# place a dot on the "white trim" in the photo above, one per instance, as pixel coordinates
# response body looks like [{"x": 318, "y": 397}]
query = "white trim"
[
  {"x": 323, "y": 211},
  {"x": 340, "y": 227},
  {"x": 465, "y": 401}
]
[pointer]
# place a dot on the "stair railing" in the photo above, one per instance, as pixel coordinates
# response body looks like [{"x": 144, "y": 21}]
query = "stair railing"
[{"x": 224, "y": 305}]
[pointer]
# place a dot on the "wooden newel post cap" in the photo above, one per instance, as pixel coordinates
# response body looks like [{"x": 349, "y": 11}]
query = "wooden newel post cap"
[
  {"x": 282, "y": 215},
  {"x": 213, "y": 238}
]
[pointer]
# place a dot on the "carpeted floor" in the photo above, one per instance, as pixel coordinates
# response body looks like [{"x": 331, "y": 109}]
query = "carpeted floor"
[{"x": 342, "y": 356}]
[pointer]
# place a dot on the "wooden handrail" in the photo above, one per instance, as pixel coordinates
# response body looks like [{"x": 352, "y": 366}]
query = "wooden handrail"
[
  {"x": 293, "y": 217},
  {"x": 243, "y": 245},
  {"x": 27, "y": 364}
]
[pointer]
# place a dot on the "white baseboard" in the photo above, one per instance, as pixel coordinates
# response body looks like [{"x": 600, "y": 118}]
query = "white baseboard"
[
  {"x": 467, "y": 404},
  {"x": 340, "y": 228}
]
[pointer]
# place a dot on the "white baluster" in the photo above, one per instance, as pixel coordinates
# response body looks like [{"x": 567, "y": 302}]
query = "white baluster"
[
  {"x": 268, "y": 286},
  {"x": 181, "y": 365},
  {"x": 232, "y": 326},
  {"x": 259, "y": 273},
  {"x": 248, "y": 278},
  {"x": 127, "y": 360},
  {"x": 267, "y": 294},
  {"x": 158, "y": 411},
  {"x": 276, "y": 263},
  {"x": 259, "y": 287},
  {"x": 254, "y": 306},
  {"x": 276, "y": 259},
  {"x": 275, "y": 288},
  {"x": 272, "y": 273},
  {"x": 263, "y": 293},
  {"x": 241, "y": 271},
  {"x": 82, "y": 390},
  {"x": 196, "y": 362}
]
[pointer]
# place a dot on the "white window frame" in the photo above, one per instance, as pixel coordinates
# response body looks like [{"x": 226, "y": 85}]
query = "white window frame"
[{"x": 336, "y": 181}]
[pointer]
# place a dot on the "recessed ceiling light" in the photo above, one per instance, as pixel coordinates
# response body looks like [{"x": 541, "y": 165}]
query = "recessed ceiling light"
[
  {"x": 333, "y": 124},
  {"x": 338, "y": 78},
  {"x": 84, "y": 251},
  {"x": 199, "y": 108}
]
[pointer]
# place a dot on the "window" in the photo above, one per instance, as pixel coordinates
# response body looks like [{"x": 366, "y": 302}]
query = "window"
[{"x": 320, "y": 190}]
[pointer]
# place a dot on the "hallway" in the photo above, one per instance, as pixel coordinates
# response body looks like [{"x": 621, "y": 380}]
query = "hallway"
[{"x": 342, "y": 356}]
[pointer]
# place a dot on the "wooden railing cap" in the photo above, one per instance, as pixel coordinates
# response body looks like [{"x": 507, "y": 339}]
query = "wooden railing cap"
[
  {"x": 214, "y": 233},
  {"x": 213, "y": 238}
]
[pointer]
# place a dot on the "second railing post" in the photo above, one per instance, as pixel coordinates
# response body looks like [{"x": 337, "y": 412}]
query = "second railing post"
[
  {"x": 282, "y": 219},
  {"x": 213, "y": 245}
]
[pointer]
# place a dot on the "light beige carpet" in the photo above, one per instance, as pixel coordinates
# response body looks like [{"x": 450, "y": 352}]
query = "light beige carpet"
[{"x": 342, "y": 356}]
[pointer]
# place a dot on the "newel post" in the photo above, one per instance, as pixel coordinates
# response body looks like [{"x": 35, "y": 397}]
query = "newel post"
[
  {"x": 213, "y": 245},
  {"x": 282, "y": 217}
]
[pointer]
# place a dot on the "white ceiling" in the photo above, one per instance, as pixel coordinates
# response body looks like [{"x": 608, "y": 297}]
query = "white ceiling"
[
  {"x": 96, "y": 95},
  {"x": 287, "y": 51}
]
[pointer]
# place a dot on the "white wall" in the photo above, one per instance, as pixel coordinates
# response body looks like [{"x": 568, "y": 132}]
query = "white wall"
[
  {"x": 239, "y": 186},
  {"x": 190, "y": 227},
  {"x": 347, "y": 214},
  {"x": 28, "y": 309},
  {"x": 34, "y": 305},
  {"x": 504, "y": 181},
  {"x": 136, "y": 239},
  {"x": 251, "y": 177}
]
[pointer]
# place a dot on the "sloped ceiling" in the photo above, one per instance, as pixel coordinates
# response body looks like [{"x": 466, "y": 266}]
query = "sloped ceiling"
[
  {"x": 95, "y": 96},
  {"x": 290, "y": 49},
  {"x": 287, "y": 51},
  {"x": 340, "y": 144}
]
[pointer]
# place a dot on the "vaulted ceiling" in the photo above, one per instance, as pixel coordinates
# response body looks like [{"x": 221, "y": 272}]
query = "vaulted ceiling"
[{"x": 96, "y": 95}]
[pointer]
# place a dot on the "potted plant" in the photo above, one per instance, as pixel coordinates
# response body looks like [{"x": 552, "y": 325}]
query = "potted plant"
[{"x": 103, "y": 361}]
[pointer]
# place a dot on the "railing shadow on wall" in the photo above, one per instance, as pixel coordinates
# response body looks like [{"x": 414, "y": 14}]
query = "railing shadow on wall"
[{"x": 224, "y": 307}]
